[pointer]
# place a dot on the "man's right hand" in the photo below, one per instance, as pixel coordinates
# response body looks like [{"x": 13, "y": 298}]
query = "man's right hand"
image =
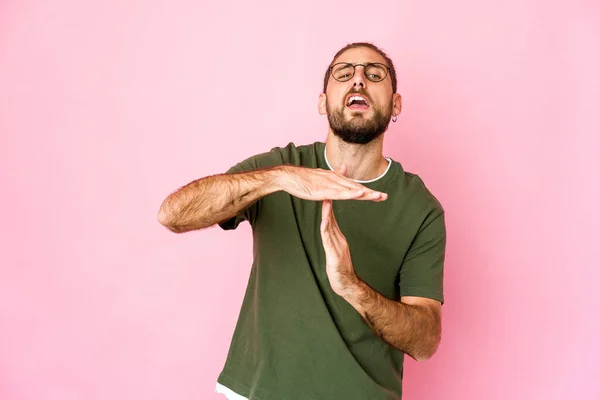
[{"x": 318, "y": 184}]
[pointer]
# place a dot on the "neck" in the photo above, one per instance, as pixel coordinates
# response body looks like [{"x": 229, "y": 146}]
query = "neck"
[{"x": 364, "y": 162}]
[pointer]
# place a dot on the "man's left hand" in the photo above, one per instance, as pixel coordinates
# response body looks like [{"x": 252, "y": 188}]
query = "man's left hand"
[{"x": 340, "y": 270}]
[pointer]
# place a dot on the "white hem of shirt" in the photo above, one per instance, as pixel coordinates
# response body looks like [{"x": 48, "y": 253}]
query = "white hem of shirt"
[
  {"x": 229, "y": 394},
  {"x": 356, "y": 180}
]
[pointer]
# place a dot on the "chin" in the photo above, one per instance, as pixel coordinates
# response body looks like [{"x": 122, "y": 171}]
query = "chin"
[{"x": 359, "y": 117}]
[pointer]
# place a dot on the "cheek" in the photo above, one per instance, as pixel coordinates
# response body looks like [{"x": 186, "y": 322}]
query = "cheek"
[
  {"x": 385, "y": 101},
  {"x": 335, "y": 95}
]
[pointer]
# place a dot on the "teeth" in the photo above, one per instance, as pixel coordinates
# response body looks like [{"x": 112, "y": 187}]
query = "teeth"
[{"x": 351, "y": 99}]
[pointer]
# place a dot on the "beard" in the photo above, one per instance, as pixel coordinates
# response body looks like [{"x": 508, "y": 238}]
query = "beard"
[{"x": 358, "y": 129}]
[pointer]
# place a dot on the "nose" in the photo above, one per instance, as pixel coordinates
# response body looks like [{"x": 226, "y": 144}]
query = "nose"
[{"x": 359, "y": 76}]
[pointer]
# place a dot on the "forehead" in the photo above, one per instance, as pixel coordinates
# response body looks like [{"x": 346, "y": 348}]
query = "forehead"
[{"x": 360, "y": 55}]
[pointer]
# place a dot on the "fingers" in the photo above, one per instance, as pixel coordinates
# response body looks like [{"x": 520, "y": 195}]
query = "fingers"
[
  {"x": 349, "y": 189},
  {"x": 324, "y": 231},
  {"x": 328, "y": 235},
  {"x": 344, "y": 182},
  {"x": 327, "y": 215},
  {"x": 335, "y": 186},
  {"x": 326, "y": 224},
  {"x": 360, "y": 192},
  {"x": 340, "y": 177},
  {"x": 373, "y": 196},
  {"x": 326, "y": 209},
  {"x": 329, "y": 225},
  {"x": 349, "y": 195}
]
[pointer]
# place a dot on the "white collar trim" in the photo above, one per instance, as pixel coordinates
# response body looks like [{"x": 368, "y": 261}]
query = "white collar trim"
[{"x": 356, "y": 180}]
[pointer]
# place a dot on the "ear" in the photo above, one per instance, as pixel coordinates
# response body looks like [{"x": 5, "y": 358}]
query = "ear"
[
  {"x": 397, "y": 106},
  {"x": 322, "y": 106}
]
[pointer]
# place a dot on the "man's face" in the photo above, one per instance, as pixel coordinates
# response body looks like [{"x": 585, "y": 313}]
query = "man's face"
[{"x": 359, "y": 110}]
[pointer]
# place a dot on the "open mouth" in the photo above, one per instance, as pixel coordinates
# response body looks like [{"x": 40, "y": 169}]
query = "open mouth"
[{"x": 357, "y": 102}]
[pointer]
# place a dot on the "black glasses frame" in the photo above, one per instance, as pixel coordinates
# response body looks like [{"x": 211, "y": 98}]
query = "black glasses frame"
[{"x": 388, "y": 69}]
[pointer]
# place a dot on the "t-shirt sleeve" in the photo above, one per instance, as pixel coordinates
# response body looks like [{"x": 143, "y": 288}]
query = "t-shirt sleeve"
[
  {"x": 250, "y": 212},
  {"x": 260, "y": 161},
  {"x": 422, "y": 271}
]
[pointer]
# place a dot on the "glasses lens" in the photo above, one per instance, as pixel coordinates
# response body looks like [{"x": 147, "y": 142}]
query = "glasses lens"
[
  {"x": 376, "y": 72},
  {"x": 343, "y": 72}
]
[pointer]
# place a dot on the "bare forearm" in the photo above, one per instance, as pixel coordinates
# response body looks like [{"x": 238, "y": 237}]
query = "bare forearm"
[
  {"x": 207, "y": 201},
  {"x": 413, "y": 329}
]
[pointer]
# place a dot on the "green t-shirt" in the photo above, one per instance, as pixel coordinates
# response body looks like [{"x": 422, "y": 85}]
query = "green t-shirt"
[{"x": 296, "y": 339}]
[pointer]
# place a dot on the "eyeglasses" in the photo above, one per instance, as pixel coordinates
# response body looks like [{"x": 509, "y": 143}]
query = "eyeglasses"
[{"x": 343, "y": 72}]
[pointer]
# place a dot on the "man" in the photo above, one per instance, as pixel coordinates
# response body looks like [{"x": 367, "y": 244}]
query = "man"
[{"x": 338, "y": 291}]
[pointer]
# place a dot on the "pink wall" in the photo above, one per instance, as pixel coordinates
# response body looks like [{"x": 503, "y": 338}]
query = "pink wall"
[{"x": 107, "y": 107}]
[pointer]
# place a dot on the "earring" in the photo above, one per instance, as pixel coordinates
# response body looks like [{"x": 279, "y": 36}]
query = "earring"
[{"x": 394, "y": 118}]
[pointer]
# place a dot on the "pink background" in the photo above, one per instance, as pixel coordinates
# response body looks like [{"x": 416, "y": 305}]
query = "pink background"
[{"x": 108, "y": 106}]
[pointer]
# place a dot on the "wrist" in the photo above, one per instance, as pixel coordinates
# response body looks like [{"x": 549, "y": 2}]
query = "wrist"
[
  {"x": 356, "y": 293},
  {"x": 279, "y": 177}
]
